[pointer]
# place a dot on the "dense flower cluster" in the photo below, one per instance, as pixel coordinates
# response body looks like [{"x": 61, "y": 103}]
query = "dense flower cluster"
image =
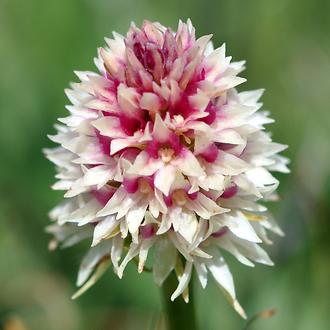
[{"x": 161, "y": 151}]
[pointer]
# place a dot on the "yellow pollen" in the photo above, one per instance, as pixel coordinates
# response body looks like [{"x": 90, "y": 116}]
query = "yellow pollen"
[
  {"x": 187, "y": 140},
  {"x": 180, "y": 197},
  {"x": 254, "y": 217},
  {"x": 166, "y": 154}
]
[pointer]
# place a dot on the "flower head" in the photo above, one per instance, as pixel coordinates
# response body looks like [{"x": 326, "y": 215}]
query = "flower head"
[{"x": 161, "y": 151}]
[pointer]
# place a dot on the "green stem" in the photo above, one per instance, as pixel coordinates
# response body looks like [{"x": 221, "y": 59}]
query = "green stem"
[{"x": 179, "y": 315}]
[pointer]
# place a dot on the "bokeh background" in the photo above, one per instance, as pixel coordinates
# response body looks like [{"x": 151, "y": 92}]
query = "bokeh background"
[{"x": 287, "y": 48}]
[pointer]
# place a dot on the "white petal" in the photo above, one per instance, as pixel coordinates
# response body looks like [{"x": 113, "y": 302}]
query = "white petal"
[
  {"x": 109, "y": 126},
  {"x": 204, "y": 206},
  {"x": 183, "y": 281},
  {"x": 228, "y": 136},
  {"x": 143, "y": 254},
  {"x": 83, "y": 215},
  {"x": 209, "y": 49},
  {"x": 243, "y": 203},
  {"x": 150, "y": 102},
  {"x": 160, "y": 131},
  {"x": 251, "y": 97},
  {"x": 227, "y": 245},
  {"x": 100, "y": 105},
  {"x": 128, "y": 99},
  {"x": 271, "y": 225},
  {"x": 104, "y": 228},
  {"x": 261, "y": 177},
  {"x": 184, "y": 223},
  {"x": 98, "y": 176},
  {"x": 116, "y": 251},
  {"x": 145, "y": 165},
  {"x": 181, "y": 244},
  {"x": 123, "y": 229},
  {"x": 188, "y": 164},
  {"x": 201, "y": 271},
  {"x": 253, "y": 251},
  {"x": 223, "y": 277},
  {"x": 114, "y": 203},
  {"x": 239, "y": 226},
  {"x": 164, "y": 178},
  {"x": 91, "y": 259},
  {"x": 165, "y": 224},
  {"x": 164, "y": 260},
  {"x": 245, "y": 184},
  {"x": 135, "y": 217},
  {"x": 229, "y": 164},
  {"x": 93, "y": 279},
  {"x": 132, "y": 252},
  {"x": 199, "y": 101},
  {"x": 221, "y": 273}
]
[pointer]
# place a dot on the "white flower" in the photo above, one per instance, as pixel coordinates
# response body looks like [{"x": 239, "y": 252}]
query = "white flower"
[{"x": 160, "y": 150}]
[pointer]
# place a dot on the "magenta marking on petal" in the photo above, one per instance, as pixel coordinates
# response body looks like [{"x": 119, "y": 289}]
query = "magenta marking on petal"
[
  {"x": 184, "y": 152},
  {"x": 201, "y": 75},
  {"x": 103, "y": 195},
  {"x": 229, "y": 192},
  {"x": 131, "y": 185},
  {"x": 170, "y": 50},
  {"x": 152, "y": 149},
  {"x": 193, "y": 195},
  {"x": 173, "y": 142},
  {"x": 212, "y": 110},
  {"x": 193, "y": 84},
  {"x": 182, "y": 107},
  {"x": 221, "y": 232},
  {"x": 147, "y": 231},
  {"x": 104, "y": 142},
  {"x": 149, "y": 60},
  {"x": 129, "y": 125},
  {"x": 211, "y": 153},
  {"x": 113, "y": 84},
  {"x": 225, "y": 146},
  {"x": 130, "y": 153},
  {"x": 144, "y": 49},
  {"x": 168, "y": 200},
  {"x": 154, "y": 61},
  {"x": 138, "y": 50}
]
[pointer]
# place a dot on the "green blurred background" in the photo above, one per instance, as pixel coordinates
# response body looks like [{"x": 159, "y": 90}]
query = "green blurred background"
[{"x": 287, "y": 48}]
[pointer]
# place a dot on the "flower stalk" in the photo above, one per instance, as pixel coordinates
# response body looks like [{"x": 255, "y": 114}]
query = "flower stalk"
[{"x": 179, "y": 314}]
